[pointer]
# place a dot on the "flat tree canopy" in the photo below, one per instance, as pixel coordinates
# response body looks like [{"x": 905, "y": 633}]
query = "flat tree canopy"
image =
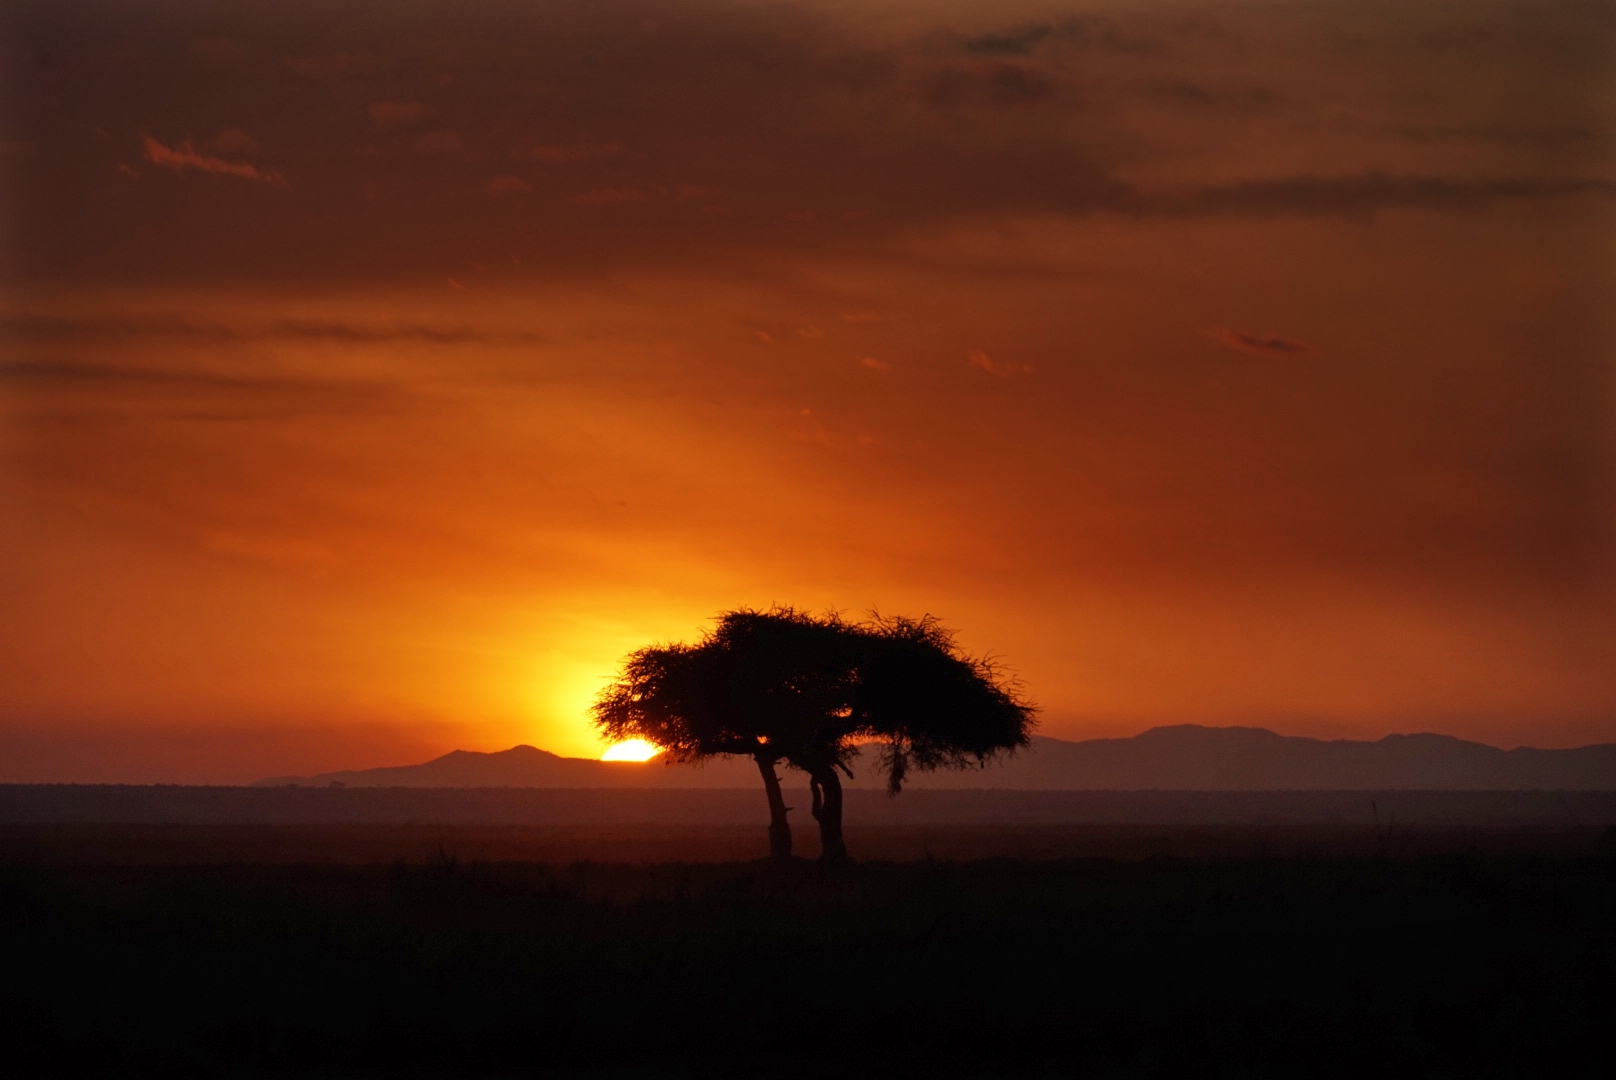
[
  {"x": 931, "y": 706},
  {"x": 812, "y": 690}
]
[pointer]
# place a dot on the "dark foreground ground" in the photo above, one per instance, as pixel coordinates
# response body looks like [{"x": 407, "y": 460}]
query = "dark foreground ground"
[{"x": 137, "y": 955}]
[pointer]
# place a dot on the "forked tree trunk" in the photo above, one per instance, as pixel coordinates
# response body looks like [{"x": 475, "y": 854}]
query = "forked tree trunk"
[
  {"x": 826, "y": 787},
  {"x": 779, "y": 827}
]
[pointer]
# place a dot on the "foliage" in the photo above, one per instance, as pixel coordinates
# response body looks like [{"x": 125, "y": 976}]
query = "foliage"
[
  {"x": 932, "y": 706},
  {"x": 812, "y": 689}
]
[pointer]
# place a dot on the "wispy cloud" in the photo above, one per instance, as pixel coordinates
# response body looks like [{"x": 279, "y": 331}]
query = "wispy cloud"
[
  {"x": 1550, "y": 135},
  {"x": 1258, "y": 344},
  {"x": 41, "y": 327},
  {"x": 1020, "y": 41},
  {"x": 1000, "y": 85},
  {"x": 809, "y": 429},
  {"x": 1002, "y": 368},
  {"x": 194, "y": 395},
  {"x": 185, "y": 156},
  {"x": 1082, "y": 32},
  {"x": 1351, "y": 196},
  {"x": 1186, "y": 93}
]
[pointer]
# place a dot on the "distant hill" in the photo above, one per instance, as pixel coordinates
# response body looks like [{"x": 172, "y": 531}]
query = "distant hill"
[
  {"x": 530, "y": 767},
  {"x": 1185, "y": 757}
]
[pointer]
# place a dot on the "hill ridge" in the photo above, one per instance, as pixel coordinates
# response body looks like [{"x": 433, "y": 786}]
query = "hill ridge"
[{"x": 1187, "y": 757}]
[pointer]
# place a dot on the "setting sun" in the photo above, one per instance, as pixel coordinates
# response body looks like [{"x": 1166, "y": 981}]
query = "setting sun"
[{"x": 632, "y": 750}]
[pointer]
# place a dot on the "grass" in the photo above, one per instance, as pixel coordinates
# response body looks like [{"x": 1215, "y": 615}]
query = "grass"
[{"x": 1443, "y": 966}]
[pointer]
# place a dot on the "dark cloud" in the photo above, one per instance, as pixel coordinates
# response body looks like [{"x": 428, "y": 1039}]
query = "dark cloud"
[
  {"x": 64, "y": 389},
  {"x": 999, "y": 85},
  {"x": 29, "y": 371},
  {"x": 1349, "y": 196},
  {"x": 1082, "y": 32},
  {"x": 25, "y": 326},
  {"x": 1187, "y": 93},
  {"x": 1559, "y": 135},
  {"x": 1258, "y": 344},
  {"x": 790, "y": 130},
  {"x": 1017, "y": 42}
]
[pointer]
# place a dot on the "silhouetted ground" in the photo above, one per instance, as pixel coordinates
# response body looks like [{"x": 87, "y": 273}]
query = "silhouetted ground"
[
  {"x": 94, "y": 804},
  {"x": 1459, "y": 964},
  {"x": 272, "y": 845}
]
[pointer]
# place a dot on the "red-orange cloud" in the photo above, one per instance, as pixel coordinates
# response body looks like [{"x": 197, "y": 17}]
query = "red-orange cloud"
[
  {"x": 185, "y": 156},
  {"x": 1002, "y": 368}
]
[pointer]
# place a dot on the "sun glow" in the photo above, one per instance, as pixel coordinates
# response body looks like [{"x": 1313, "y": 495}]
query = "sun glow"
[{"x": 632, "y": 750}]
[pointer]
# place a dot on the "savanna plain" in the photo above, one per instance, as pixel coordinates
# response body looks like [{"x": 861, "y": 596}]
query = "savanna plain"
[{"x": 337, "y": 950}]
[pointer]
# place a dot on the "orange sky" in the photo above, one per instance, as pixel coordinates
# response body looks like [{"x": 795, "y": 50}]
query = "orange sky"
[{"x": 370, "y": 384}]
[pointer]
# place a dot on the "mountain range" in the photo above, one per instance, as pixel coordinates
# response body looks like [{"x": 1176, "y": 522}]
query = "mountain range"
[{"x": 1185, "y": 757}]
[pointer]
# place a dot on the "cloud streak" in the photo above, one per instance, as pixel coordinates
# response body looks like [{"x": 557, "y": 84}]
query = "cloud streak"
[
  {"x": 981, "y": 361},
  {"x": 185, "y": 156},
  {"x": 27, "y": 326},
  {"x": 1270, "y": 345},
  {"x": 66, "y": 389},
  {"x": 1346, "y": 196}
]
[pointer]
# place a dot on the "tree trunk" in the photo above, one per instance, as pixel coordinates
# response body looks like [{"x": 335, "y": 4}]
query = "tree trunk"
[
  {"x": 826, "y": 787},
  {"x": 779, "y": 827}
]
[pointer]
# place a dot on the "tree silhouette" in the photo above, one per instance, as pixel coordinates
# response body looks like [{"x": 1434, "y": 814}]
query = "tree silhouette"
[
  {"x": 811, "y": 691},
  {"x": 928, "y": 705},
  {"x": 678, "y": 698}
]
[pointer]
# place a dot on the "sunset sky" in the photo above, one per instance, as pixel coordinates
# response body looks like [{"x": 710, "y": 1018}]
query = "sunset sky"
[{"x": 374, "y": 376}]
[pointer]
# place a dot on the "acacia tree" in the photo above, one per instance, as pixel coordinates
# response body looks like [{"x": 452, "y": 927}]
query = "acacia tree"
[
  {"x": 680, "y": 698},
  {"x": 927, "y": 705},
  {"x": 809, "y": 690}
]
